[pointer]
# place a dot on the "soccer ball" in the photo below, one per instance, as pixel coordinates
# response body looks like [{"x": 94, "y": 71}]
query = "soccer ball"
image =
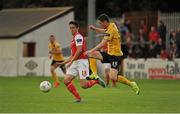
[{"x": 45, "y": 86}]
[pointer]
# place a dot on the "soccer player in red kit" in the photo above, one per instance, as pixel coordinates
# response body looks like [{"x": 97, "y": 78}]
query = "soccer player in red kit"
[{"x": 77, "y": 63}]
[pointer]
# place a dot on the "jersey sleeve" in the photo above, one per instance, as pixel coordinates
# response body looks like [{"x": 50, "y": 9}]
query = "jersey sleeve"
[
  {"x": 78, "y": 40},
  {"x": 49, "y": 47}
]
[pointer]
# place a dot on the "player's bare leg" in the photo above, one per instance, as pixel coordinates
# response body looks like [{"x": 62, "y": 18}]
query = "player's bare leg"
[
  {"x": 113, "y": 74},
  {"x": 70, "y": 86},
  {"x": 54, "y": 75},
  {"x": 107, "y": 70}
]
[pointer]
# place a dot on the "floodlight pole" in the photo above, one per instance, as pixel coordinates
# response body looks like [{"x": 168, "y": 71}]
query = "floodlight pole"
[
  {"x": 1, "y": 4},
  {"x": 91, "y": 20}
]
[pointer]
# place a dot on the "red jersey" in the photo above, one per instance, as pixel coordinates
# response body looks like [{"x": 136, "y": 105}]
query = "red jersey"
[
  {"x": 153, "y": 36},
  {"x": 78, "y": 40}
]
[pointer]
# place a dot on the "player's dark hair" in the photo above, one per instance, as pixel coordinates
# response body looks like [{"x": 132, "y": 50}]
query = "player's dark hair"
[
  {"x": 103, "y": 17},
  {"x": 74, "y": 23},
  {"x": 52, "y": 35}
]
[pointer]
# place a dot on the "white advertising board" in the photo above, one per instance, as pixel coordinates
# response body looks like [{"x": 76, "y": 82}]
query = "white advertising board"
[{"x": 152, "y": 69}]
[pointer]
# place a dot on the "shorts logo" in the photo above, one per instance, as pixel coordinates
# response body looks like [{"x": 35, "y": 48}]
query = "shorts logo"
[
  {"x": 84, "y": 73},
  {"x": 114, "y": 63}
]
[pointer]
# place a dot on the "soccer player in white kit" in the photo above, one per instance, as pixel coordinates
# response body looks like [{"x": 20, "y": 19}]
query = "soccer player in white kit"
[{"x": 77, "y": 63}]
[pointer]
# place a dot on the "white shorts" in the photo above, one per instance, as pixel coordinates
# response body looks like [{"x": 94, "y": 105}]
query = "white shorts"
[{"x": 79, "y": 67}]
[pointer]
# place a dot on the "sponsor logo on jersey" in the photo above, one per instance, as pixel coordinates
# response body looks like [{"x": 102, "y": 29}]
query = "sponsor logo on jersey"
[{"x": 79, "y": 40}]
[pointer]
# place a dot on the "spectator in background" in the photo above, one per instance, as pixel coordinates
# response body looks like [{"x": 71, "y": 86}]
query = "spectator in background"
[
  {"x": 137, "y": 51},
  {"x": 129, "y": 48},
  {"x": 128, "y": 25},
  {"x": 123, "y": 18},
  {"x": 152, "y": 51},
  {"x": 162, "y": 32},
  {"x": 123, "y": 28},
  {"x": 171, "y": 31},
  {"x": 142, "y": 35},
  {"x": 158, "y": 46},
  {"x": 173, "y": 45},
  {"x": 120, "y": 23},
  {"x": 178, "y": 42},
  {"x": 163, "y": 53},
  {"x": 173, "y": 51},
  {"x": 130, "y": 35},
  {"x": 142, "y": 40},
  {"x": 172, "y": 38},
  {"x": 153, "y": 35},
  {"x": 143, "y": 26}
]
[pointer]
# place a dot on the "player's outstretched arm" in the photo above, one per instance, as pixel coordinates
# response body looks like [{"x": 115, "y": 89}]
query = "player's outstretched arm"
[
  {"x": 72, "y": 58},
  {"x": 66, "y": 61},
  {"x": 99, "y": 30}
]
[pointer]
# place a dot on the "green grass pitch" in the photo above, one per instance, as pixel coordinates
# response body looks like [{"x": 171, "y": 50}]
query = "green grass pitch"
[{"x": 22, "y": 94}]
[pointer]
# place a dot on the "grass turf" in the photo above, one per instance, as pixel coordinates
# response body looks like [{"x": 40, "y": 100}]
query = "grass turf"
[{"x": 22, "y": 94}]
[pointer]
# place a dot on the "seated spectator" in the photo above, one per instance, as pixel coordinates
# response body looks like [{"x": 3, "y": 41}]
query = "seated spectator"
[
  {"x": 130, "y": 35},
  {"x": 137, "y": 51},
  {"x": 178, "y": 42},
  {"x": 129, "y": 47},
  {"x": 142, "y": 36},
  {"x": 151, "y": 51},
  {"x": 173, "y": 51},
  {"x": 172, "y": 38},
  {"x": 153, "y": 35},
  {"x": 163, "y": 54},
  {"x": 142, "y": 40},
  {"x": 143, "y": 26},
  {"x": 158, "y": 46}
]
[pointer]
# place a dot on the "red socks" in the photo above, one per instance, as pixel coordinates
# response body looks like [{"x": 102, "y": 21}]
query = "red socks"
[
  {"x": 90, "y": 83},
  {"x": 73, "y": 90}
]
